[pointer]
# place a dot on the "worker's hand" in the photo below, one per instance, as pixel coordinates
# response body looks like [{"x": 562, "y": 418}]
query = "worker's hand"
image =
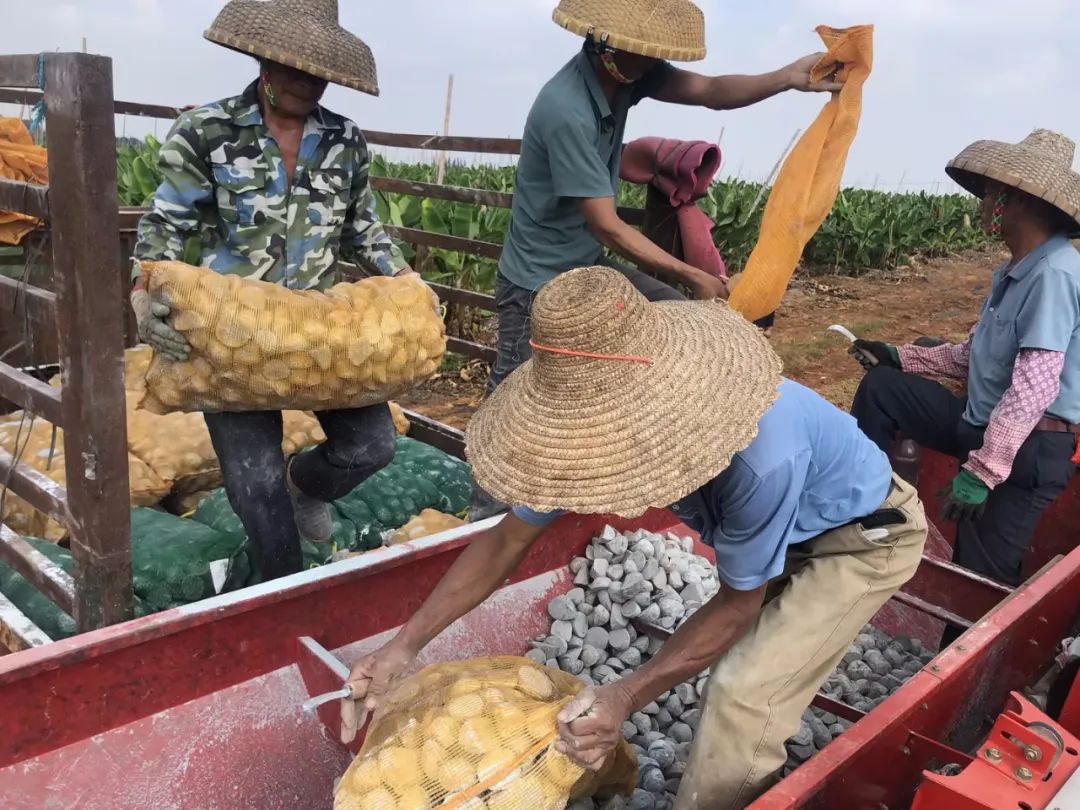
[
  {"x": 799, "y": 76},
  {"x": 709, "y": 288},
  {"x": 965, "y": 498},
  {"x": 871, "y": 353},
  {"x": 372, "y": 678},
  {"x": 590, "y": 726},
  {"x": 152, "y": 318}
]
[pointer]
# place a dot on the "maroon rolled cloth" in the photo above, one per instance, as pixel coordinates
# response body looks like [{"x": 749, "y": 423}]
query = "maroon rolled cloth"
[{"x": 682, "y": 170}]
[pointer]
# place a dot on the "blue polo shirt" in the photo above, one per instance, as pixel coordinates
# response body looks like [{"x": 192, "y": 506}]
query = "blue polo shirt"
[
  {"x": 809, "y": 470},
  {"x": 571, "y": 149},
  {"x": 1035, "y": 305}
]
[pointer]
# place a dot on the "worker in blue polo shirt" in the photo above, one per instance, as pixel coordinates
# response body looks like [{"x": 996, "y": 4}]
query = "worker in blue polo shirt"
[
  {"x": 627, "y": 405},
  {"x": 1015, "y": 432},
  {"x": 566, "y": 187}
]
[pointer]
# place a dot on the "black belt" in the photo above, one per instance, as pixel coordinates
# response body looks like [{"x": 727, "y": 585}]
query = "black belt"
[
  {"x": 1051, "y": 424},
  {"x": 886, "y": 516}
]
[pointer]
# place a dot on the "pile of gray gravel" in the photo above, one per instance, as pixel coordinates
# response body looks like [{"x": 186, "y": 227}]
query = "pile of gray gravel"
[{"x": 656, "y": 578}]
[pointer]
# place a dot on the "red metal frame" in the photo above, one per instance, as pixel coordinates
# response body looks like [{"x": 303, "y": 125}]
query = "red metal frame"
[{"x": 874, "y": 765}]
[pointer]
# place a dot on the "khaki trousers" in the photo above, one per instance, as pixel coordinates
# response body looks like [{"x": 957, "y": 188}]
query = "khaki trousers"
[{"x": 831, "y": 586}]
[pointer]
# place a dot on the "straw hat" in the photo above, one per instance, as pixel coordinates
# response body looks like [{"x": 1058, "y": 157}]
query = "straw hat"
[
  {"x": 1040, "y": 165},
  {"x": 662, "y": 29},
  {"x": 303, "y": 34},
  {"x": 625, "y": 404}
]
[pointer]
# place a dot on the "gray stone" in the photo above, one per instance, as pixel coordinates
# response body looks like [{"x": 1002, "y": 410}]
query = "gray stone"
[
  {"x": 578, "y": 564},
  {"x": 675, "y": 580},
  {"x": 822, "y": 737},
  {"x": 863, "y": 706},
  {"x": 601, "y": 672},
  {"x": 652, "y": 779},
  {"x": 804, "y": 736},
  {"x": 618, "y": 621},
  {"x": 561, "y": 608},
  {"x": 615, "y": 572},
  {"x": 877, "y": 690},
  {"x": 801, "y": 753},
  {"x": 563, "y": 630},
  {"x": 616, "y": 664},
  {"x": 630, "y": 567},
  {"x": 686, "y": 693},
  {"x": 653, "y": 736},
  {"x": 654, "y": 645},
  {"x": 643, "y": 723},
  {"x": 858, "y": 670},
  {"x": 876, "y": 661},
  {"x": 682, "y": 752},
  {"x": 912, "y": 666},
  {"x": 618, "y": 544},
  {"x": 603, "y": 599},
  {"x": 582, "y": 577},
  {"x": 597, "y": 637},
  {"x": 674, "y": 705},
  {"x": 667, "y": 622},
  {"x": 574, "y": 667},
  {"x": 663, "y": 751},
  {"x": 629, "y": 729},
  {"x": 850, "y": 657},
  {"x": 660, "y": 579},
  {"x": 835, "y": 729},
  {"x": 537, "y": 654},
  {"x": 678, "y": 768},
  {"x": 600, "y": 584},
  {"x": 895, "y": 657},
  {"x": 630, "y": 610},
  {"x": 640, "y": 744},
  {"x": 862, "y": 686},
  {"x": 631, "y": 657},
  {"x": 641, "y": 800},
  {"x": 576, "y": 595},
  {"x": 672, "y": 785},
  {"x": 553, "y": 646},
  {"x": 681, "y": 732},
  {"x": 651, "y": 708},
  {"x": 664, "y": 719},
  {"x": 600, "y": 567},
  {"x": 580, "y": 623},
  {"x": 581, "y": 804},
  {"x": 672, "y": 607},
  {"x": 644, "y": 599},
  {"x": 586, "y": 678},
  {"x": 866, "y": 641},
  {"x": 641, "y": 644},
  {"x": 694, "y": 592},
  {"x": 552, "y": 662},
  {"x": 590, "y": 655},
  {"x": 572, "y": 654},
  {"x": 600, "y": 616},
  {"x": 892, "y": 683},
  {"x": 651, "y": 567},
  {"x": 692, "y": 718}
]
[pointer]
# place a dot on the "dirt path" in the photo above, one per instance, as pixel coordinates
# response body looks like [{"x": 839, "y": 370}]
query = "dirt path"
[{"x": 941, "y": 297}]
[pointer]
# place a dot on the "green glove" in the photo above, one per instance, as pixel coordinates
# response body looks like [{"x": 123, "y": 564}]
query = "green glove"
[{"x": 965, "y": 498}]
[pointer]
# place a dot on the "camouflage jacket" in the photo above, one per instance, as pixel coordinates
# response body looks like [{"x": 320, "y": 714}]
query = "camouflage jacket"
[{"x": 225, "y": 185}]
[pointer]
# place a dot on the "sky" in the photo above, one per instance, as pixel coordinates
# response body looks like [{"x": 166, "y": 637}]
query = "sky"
[{"x": 946, "y": 72}]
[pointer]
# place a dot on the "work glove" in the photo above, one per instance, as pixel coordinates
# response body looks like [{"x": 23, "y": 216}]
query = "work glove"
[
  {"x": 872, "y": 353},
  {"x": 965, "y": 498},
  {"x": 155, "y": 330}
]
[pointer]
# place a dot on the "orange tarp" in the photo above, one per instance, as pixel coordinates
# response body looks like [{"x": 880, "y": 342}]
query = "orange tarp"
[
  {"x": 809, "y": 181},
  {"x": 20, "y": 159}
]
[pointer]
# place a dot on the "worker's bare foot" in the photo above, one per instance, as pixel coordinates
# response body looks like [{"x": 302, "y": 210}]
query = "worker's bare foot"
[{"x": 313, "y": 519}]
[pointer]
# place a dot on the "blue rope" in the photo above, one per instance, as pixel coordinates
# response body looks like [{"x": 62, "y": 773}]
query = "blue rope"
[{"x": 37, "y": 113}]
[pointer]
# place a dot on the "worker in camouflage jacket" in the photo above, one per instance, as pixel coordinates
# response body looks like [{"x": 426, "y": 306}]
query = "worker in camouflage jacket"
[{"x": 272, "y": 186}]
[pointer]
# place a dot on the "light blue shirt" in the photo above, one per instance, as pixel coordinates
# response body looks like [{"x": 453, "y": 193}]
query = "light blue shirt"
[
  {"x": 809, "y": 470},
  {"x": 1035, "y": 306}
]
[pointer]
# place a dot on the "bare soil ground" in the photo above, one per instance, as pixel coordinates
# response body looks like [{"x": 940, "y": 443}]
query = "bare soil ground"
[{"x": 940, "y": 297}]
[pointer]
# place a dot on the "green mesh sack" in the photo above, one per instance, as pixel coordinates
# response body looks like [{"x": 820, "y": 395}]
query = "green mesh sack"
[
  {"x": 37, "y": 607},
  {"x": 216, "y": 512},
  {"x": 450, "y": 476},
  {"x": 174, "y": 561}
]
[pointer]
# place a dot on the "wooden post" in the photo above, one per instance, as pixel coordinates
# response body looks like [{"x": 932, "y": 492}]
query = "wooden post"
[
  {"x": 440, "y": 172},
  {"x": 90, "y": 297}
]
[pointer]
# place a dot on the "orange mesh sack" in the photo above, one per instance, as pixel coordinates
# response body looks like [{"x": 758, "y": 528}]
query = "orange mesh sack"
[
  {"x": 260, "y": 346},
  {"x": 806, "y": 188},
  {"x": 427, "y": 523},
  {"x": 475, "y": 734}
]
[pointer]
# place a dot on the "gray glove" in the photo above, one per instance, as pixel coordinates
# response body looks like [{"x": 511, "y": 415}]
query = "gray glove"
[{"x": 155, "y": 330}]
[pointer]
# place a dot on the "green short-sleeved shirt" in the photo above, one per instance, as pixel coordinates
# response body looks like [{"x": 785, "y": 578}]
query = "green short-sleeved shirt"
[{"x": 571, "y": 149}]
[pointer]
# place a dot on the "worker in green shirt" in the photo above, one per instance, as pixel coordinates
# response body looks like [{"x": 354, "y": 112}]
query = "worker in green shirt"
[{"x": 566, "y": 186}]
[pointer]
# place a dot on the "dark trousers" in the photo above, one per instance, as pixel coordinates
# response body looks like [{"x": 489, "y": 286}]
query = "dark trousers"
[
  {"x": 514, "y": 305},
  {"x": 890, "y": 402},
  {"x": 359, "y": 442}
]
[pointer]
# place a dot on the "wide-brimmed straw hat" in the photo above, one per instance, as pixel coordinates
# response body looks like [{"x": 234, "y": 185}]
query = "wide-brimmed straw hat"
[
  {"x": 1040, "y": 165},
  {"x": 662, "y": 29},
  {"x": 625, "y": 404},
  {"x": 303, "y": 34}
]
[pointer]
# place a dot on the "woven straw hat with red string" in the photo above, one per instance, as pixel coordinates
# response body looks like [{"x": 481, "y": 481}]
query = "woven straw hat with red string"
[
  {"x": 1040, "y": 165},
  {"x": 661, "y": 29},
  {"x": 303, "y": 34},
  {"x": 625, "y": 404}
]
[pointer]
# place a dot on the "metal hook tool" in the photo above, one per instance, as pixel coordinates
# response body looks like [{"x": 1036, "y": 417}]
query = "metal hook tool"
[{"x": 311, "y": 704}]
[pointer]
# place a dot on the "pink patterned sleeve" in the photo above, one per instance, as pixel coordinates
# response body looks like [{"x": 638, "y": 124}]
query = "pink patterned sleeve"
[
  {"x": 1036, "y": 383},
  {"x": 947, "y": 360}
]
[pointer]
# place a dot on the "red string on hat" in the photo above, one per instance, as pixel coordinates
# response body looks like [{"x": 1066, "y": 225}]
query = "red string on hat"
[{"x": 627, "y": 358}]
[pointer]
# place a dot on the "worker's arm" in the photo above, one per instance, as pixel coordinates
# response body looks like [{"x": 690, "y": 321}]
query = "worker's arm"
[
  {"x": 611, "y": 232},
  {"x": 750, "y": 542},
  {"x": 482, "y": 567},
  {"x": 363, "y": 238},
  {"x": 732, "y": 92},
  {"x": 947, "y": 360},
  {"x": 590, "y": 726},
  {"x": 186, "y": 186}
]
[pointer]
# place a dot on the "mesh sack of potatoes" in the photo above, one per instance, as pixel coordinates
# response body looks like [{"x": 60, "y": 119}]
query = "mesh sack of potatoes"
[
  {"x": 428, "y": 522},
  {"x": 34, "y": 445},
  {"x": 475, "y": 734},
  {"x": 260, "y": 346}
]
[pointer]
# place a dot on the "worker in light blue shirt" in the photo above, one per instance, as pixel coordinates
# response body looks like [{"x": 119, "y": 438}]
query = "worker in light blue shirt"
[{"x": 627, "y": 405}]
